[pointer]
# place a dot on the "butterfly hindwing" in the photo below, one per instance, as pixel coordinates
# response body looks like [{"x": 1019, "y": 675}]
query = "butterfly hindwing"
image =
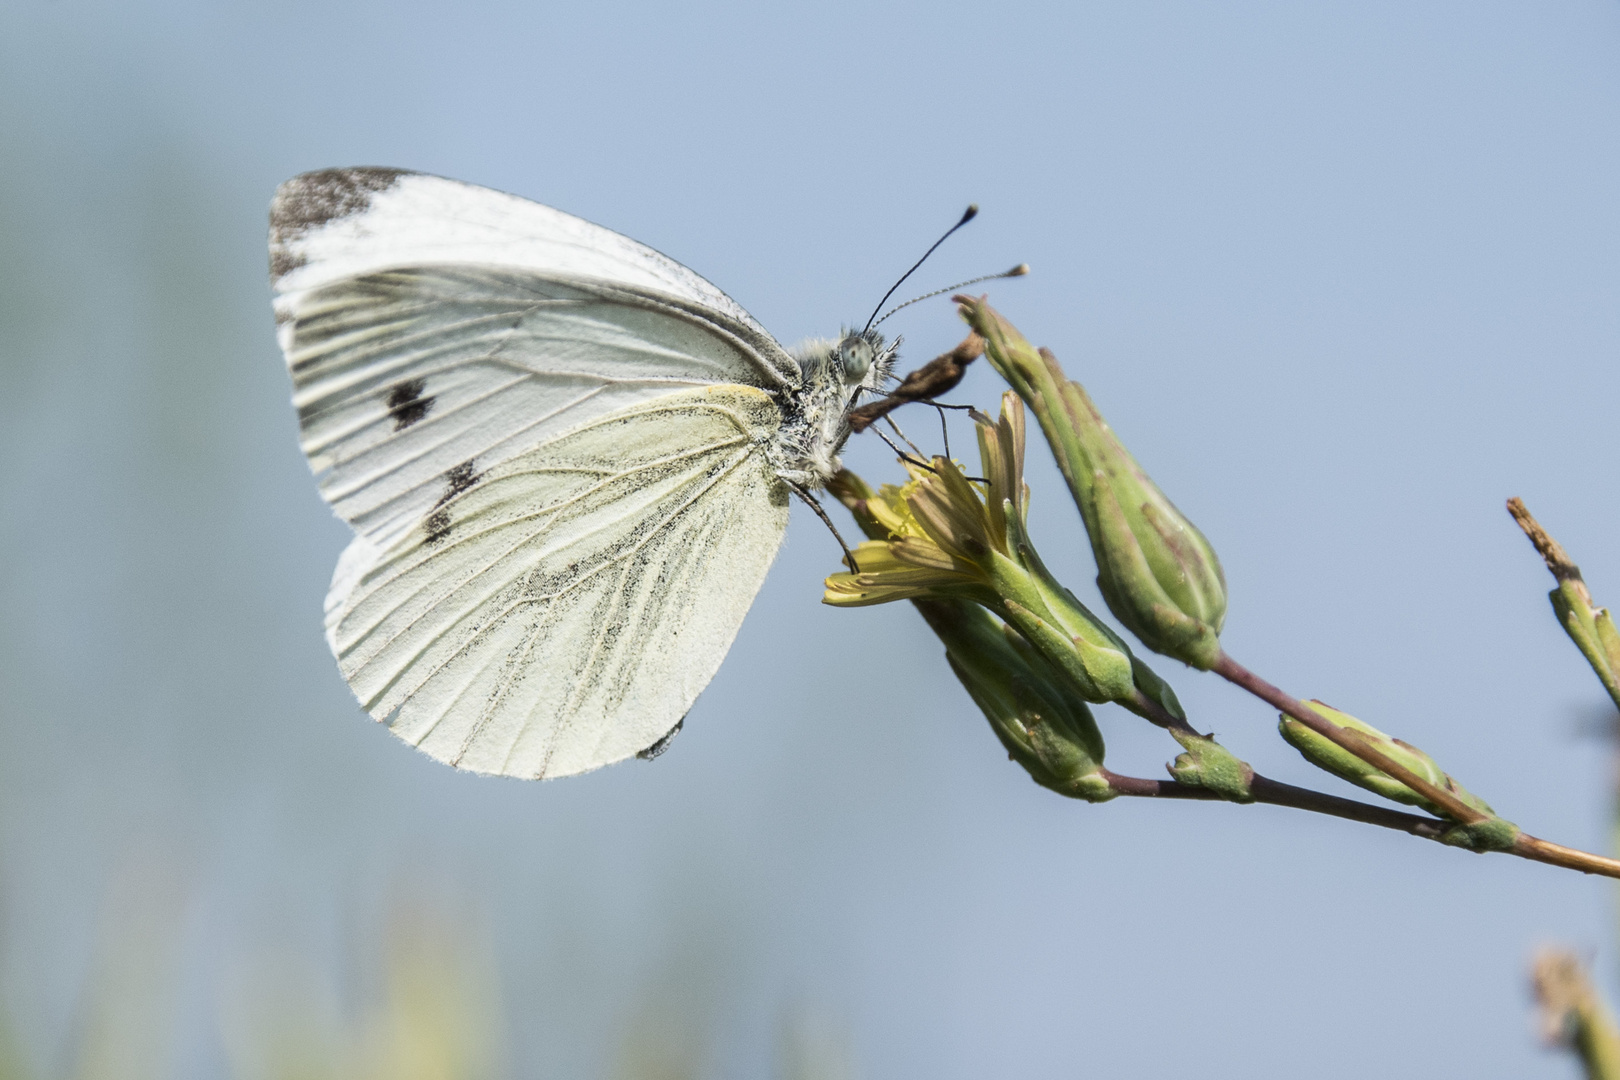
[{"x": 562, "y": 610}]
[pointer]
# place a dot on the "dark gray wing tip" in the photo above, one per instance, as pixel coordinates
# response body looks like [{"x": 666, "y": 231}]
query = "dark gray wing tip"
[
  {"x": 314, "y": 199},
  {"x": 662, "y": 744}
]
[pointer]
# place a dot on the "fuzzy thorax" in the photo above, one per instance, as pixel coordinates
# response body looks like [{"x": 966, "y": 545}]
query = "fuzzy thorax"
[{"x": 815, "y": 420}]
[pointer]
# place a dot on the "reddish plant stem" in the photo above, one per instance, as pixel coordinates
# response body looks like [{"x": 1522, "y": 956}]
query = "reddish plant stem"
[
  {"x": 1142, "y": 787},
  {"x": 1154, "y": 713},
  {"x": 1276, "y": 793}
]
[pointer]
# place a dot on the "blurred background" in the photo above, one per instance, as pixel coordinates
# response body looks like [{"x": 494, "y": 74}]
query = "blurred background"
[{"x": 1342, "y": 275}]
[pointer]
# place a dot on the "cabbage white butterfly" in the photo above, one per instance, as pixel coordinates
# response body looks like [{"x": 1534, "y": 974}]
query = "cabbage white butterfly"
[{"x": 566, "y": 459}]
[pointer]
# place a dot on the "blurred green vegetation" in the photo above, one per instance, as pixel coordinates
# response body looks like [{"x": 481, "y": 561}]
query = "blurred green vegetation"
[
  {"x": 428, "y": 1007},
  {"x": 433, "y": 1013}
]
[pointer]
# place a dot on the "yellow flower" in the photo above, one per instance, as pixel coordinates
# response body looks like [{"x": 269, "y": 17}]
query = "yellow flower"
[
  {"x": 918, "y": 557},
  {"x": 943, "y": 536}
]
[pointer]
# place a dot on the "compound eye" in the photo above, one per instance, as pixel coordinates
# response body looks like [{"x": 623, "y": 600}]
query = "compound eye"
[{"x": 855, "y": 356}]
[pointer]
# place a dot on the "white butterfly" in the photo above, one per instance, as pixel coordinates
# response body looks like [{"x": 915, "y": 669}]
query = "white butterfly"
[{"x": 566, "y": 459}]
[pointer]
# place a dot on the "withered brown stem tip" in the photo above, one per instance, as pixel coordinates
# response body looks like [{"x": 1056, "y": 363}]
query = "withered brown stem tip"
[{"x": 1552, "y": 552}]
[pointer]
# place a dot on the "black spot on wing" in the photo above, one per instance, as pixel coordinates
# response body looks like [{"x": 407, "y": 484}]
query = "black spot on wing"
[
  {"x": 457, "y": 480},
  {"x": 312, "y": 200},
  {"x": 407, "y": 405},
  {"x": 662, "y": 744},
  {"x": 437, "y": 526}
]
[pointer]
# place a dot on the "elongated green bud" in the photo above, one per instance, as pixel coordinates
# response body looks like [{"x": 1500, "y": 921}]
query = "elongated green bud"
[
  {"x": 1043, "y": 725},
  {"x": 1158, "y": 574},
  {"x": 1345, "y": 765},
  {"x": 1098, "y": 674}
]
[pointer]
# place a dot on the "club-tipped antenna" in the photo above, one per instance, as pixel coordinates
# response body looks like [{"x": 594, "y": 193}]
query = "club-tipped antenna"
[
  {"x": 967, "y": 215},
  {"x": 1018, "y": 271}
]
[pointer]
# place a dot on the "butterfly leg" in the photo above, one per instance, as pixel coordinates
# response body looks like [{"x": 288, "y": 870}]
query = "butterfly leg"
[{"x": 810, "y": 501}]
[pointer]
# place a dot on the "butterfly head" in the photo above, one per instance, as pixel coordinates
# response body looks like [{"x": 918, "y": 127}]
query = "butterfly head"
[
  {"x": 836, "y": 370},
  {"x": 855, "y": 355},
  {"x": 861, "y": 360},
  {"x": 816, "y": 422}
]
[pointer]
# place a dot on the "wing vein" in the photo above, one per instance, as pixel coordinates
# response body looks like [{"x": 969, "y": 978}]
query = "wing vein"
[{"x": 470, "y": 609}]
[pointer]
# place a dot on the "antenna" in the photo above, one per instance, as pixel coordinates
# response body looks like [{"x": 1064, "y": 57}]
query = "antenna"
[
  {"x": 968, "y": 215},
  {"x": 1018, "y": 271}
]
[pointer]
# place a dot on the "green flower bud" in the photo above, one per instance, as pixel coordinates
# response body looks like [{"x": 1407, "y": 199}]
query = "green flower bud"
[
  {"x": 1345, "y": 765},
  {"x": 1043, "y": 725},
  {"x": 1099, "y": 673},
  {"x": 1208, "y": 764},
  {"x": 1158, "y": 574},
  {"x": 1492, "y": 834}
]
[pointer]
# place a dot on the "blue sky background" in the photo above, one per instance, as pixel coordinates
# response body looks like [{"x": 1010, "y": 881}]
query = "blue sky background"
[{"x": 1342, "y": 275}]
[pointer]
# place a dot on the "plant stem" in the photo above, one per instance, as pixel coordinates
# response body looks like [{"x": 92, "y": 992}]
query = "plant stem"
[
  {"x": 1276, "y": 793},
  {"x": 1526, "y": 846},
  {"x": 1454, "y": 808},
  {"x": 1142, "y": 787},
  {"x": 1539, "y": 850},
  {"x": 1154, "y": 713}
]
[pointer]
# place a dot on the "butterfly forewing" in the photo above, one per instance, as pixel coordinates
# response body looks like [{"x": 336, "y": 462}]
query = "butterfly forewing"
[
  {"x": 343, "y": 223},
  {"x": 551, "y": 442},
  {"x": 402, "y": 375}
]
